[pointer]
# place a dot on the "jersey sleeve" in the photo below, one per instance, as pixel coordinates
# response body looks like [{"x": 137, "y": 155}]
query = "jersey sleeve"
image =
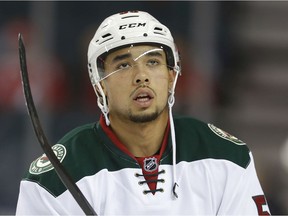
[
  {"x": 33, "y": 199},
  {"x": 243, "y": 194}
]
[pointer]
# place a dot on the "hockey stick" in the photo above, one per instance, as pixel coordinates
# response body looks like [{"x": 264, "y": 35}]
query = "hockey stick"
[{"x": 60, "y": 170}]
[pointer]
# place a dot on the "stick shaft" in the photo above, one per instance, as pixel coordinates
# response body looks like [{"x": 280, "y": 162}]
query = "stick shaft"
[{"x": 60, "y": 170}]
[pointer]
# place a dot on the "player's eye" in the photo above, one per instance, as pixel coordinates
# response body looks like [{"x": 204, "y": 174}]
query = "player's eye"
[
  {"x": 123, "y": 65},
  {"x": 153, "y": 62}
]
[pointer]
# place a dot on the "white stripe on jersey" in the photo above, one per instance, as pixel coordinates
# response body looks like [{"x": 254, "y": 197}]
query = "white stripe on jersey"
[{"x": 206, "y": 187}]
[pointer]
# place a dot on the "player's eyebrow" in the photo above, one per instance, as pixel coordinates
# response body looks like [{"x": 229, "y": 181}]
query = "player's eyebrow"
[
  {"x": 121, "y": 57},
  {"x": 154, "y": 53},
  {"x": 151, "y": 53}
]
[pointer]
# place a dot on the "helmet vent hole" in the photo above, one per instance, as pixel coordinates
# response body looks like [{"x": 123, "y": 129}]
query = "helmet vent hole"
[
  {"x": 106, "y": 35},
  {"x": 104, "y": 38},
  {"x": 131, "y": 16},
  {"x": 145, "y": 34},
  {"x": 158, "y": 30},
  {"x": 123, "y": 38}
]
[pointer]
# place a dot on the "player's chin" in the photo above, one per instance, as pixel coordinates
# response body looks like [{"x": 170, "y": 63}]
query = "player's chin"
[{"x": 143, "y": 117}]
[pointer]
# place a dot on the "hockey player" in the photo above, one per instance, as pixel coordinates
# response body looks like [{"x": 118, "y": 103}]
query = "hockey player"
[{"x": 139, "y": 159}]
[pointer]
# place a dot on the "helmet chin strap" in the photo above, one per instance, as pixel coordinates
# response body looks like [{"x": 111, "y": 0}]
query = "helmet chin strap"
[
  {"x": 102, "y": 102},
  {"x": 171, "y": 100}
]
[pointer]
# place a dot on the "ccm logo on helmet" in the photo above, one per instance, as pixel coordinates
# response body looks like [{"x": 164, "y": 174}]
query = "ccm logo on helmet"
[{"x": 131, "y": 25}]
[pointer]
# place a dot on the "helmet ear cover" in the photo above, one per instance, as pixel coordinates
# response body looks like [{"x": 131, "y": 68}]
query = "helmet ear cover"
[{"x": 169, "y": 55}]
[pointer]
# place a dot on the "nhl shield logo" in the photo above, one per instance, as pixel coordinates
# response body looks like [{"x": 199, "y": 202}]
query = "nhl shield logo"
[
  {"x": 150, "y": 164},
  {"x": 42, "y": 164}
]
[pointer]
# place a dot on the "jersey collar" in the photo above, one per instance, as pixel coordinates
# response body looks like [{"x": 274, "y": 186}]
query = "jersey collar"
[{"x": 112, "y": 136}]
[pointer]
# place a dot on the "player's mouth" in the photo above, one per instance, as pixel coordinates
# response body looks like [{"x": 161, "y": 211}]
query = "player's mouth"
[{"x": 143, "y": 98}]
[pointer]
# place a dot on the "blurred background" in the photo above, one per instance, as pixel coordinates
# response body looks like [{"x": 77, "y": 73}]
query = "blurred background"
[{"x": 235, "y": 75}]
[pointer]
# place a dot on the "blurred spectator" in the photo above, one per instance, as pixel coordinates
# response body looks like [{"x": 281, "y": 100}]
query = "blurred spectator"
[{"x": 47, "y": 74}]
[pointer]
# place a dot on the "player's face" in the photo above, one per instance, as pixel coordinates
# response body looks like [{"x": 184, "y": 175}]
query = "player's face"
[{"x": 137, "y": 83}]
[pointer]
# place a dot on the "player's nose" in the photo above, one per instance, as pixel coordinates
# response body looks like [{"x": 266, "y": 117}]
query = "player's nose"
[{"x": 140, "y": 75}]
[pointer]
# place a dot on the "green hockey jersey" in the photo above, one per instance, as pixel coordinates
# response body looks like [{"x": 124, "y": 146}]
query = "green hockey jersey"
[{"x": 214, "y": 171}]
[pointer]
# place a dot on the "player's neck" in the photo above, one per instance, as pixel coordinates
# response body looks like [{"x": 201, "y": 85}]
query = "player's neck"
[{"x": 141, "y": 139}]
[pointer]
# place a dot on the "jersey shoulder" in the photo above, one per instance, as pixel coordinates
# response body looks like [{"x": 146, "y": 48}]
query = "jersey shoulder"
[
  {"x": 80, "y": 132},
  {"x": 199, "y": 140},
  {"x": 84, "y": 151},
  {"x": 73, "y": 152}
]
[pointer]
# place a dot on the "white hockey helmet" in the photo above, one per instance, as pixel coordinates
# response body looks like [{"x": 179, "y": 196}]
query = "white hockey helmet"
[{"x": 123, "y": 29}]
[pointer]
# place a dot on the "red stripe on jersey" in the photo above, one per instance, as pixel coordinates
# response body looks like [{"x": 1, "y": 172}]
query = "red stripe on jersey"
[{"x": 140, "y": 160}]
